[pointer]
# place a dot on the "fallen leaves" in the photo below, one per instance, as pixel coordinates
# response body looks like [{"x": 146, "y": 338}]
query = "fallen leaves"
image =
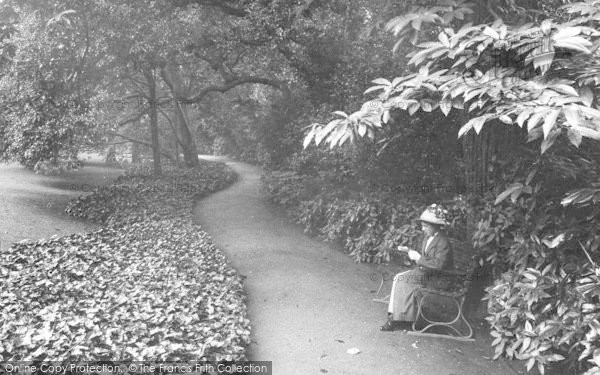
[
  {"x": 149, "y": 285},
  {"x": 137, "y": 196}
]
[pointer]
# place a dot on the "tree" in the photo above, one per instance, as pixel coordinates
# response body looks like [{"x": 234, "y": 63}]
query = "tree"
[{"x": 44, "y": 113}]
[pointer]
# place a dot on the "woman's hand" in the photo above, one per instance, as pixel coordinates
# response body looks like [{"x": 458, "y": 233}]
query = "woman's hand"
[{"x": 414, "y": 255}]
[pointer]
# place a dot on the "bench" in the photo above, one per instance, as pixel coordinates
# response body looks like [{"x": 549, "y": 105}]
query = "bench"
[{"x": 462, "y": 276}]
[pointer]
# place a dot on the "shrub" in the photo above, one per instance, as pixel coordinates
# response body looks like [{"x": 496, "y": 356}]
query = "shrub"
[
  {"x": 543, "y": 304},
  {"x": 368, "y": 224}
]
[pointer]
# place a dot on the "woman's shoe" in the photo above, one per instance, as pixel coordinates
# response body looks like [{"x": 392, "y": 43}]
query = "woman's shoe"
[{"x": 389, "y": 326}]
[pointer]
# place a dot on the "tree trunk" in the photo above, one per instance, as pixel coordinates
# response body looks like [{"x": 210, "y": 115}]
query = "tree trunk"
[
  {"x": 135, "y": 147},
  {"x": 135, "y": 153},
  {"x": 496, "y": 141},
  {"x": 190, "y": 152},
  {"x": 153, "y": 102},
  {"x": 111, "y": 156},
  {"x": 172, "y": 78}
]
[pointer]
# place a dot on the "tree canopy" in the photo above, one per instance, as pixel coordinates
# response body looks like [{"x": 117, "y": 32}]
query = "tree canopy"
[{"x": 539, "y": 77}]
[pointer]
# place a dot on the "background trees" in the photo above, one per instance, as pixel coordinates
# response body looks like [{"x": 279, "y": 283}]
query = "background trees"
[
  {"x": 165, "y": 63},
  {"x": 155, "y": 59}
]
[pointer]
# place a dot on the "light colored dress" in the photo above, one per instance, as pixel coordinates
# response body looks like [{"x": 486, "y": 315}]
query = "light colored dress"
[{"x": 435, "y": 255}]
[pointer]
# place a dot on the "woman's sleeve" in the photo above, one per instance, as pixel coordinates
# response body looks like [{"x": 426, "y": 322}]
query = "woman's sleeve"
[{"x": 436, "y": 258}]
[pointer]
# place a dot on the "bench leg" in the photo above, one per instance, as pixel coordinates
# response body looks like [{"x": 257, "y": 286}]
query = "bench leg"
[
  {"x": 449, "y": 324},
  {"x": 386, "y": 299}
]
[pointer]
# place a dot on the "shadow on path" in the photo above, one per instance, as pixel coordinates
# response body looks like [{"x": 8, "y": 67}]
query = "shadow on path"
[{"x": 309, "y": 303}]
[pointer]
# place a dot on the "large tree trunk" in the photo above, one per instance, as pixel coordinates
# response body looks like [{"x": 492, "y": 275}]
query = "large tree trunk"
[
  {"x": 178, "y": 89},
  {"x": 188, "y": 145},
  {"x": 153, "y": 102}
]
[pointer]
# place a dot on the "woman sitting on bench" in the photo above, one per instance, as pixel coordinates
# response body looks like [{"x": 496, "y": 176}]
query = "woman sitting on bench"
[{"x": 435, "y": 255}]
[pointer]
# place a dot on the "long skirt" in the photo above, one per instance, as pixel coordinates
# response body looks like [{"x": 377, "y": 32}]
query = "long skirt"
[{"x": 403, "y": 303}]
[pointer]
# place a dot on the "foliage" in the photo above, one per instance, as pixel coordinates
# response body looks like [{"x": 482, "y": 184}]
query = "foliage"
[
  {"x": 540, "y": 303},
  {"x": 369, "y": 225},
  {"x": 43, "y": 116},
  {"x": 151, "y": 290},
  {"x": 517, "y": 74},
  {"x": 150, "y": 285},
  {"x": 137, "y": 196}
]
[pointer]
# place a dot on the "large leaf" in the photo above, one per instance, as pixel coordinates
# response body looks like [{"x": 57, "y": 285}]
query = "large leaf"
[
  {"x": 587, "y": 95},
  {"x": 374, "y": 88},
  {"x": 575, "y": 43},
  {"x": 475, "y": 123},
  {"x": 382, "y": 82},
  {"x": 516, "y": 187},
  {"x": 523, "y": 116},
  {"x": 550, "y": 121},
  {"x": 310, "y": 136},
  {"x": 324, "y": 132},
  {"x": 445, "y": 107},
  {"x": 566, "y": 32},
  {"x": 535, "y": 119},
  {"x": 564, "y": 88},
  {"x": 574, "y": 136},
  {"x": 572, "y": 115},
  {"x": 549, "y": 140},
  {"x": 587, "y": 132}
]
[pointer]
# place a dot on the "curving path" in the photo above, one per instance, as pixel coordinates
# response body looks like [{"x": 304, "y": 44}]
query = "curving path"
[
  {"x": 309, "y": 303},
  {"x": 32, "y": 205}
]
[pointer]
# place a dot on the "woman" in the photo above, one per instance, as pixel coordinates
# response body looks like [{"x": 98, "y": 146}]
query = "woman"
[{"x": 435, "y": 255}]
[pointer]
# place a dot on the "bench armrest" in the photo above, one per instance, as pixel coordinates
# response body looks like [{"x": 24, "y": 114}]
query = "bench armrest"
[{"x": 453, "y": 272}]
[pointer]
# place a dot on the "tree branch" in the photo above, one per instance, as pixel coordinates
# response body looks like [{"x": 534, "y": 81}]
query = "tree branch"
[
  {"x": 139, "y": 141},
  {"x": 172, "y": 126},
  {"x": 132, "y": 119},
  {"x": 282, "y": 86}
]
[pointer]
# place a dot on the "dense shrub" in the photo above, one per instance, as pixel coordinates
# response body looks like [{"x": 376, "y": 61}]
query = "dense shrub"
[
  {"x": 543, "y": 305},
  {"x": 368, "y": 224}
]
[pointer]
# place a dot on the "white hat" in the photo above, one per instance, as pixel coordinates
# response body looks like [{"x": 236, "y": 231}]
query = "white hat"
[{"x": 434, "y": 214}]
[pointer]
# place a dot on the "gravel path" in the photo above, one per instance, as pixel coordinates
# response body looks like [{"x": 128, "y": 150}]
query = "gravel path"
[
  {"x": 309, "y": 303},
  {"x": 32, "y": 206}
]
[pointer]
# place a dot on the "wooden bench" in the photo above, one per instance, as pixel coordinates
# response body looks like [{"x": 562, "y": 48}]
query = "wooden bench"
[{"x": 461, "y": 276}]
